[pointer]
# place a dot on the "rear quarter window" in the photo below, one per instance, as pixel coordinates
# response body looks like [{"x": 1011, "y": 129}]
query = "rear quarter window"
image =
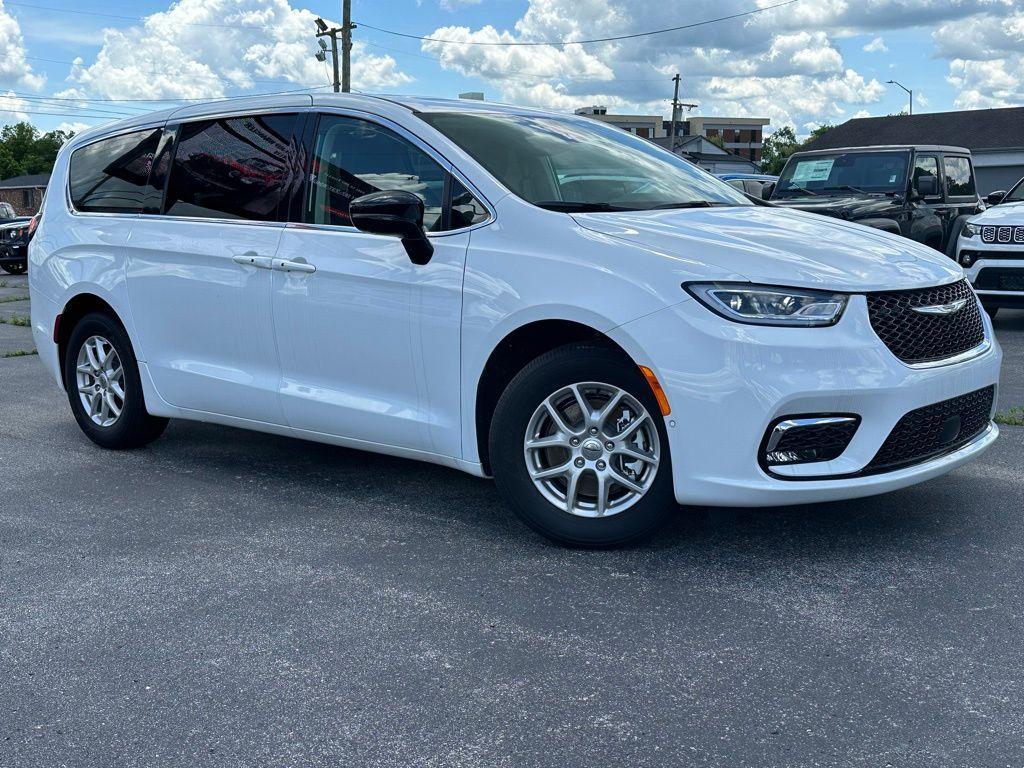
[
  {"x": 959, "y": 179},
  {"x": 112, "y": 175}
]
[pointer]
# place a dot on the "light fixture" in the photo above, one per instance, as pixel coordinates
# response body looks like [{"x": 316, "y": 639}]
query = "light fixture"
[{"x": 321, "y": 24}]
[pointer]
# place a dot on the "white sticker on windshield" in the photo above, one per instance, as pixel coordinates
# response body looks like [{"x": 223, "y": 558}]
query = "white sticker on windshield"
[
  {"x": 892, "y": 179},
  {"x": 813, "y": 170}
]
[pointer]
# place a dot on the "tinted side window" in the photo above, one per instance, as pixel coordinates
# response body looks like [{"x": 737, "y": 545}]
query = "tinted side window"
[
  {"x": 234, "y": 168},
  {"x": 354, "y": 157},
  {"x": 959, "y": 180},
  {"x": 466, "y": 209},
  {"x": 110, "y": 175}
]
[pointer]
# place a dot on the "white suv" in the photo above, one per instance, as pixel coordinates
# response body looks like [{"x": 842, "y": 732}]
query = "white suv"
[
  {"x": 603, "y": 327},
  {"x": 991, "y": 250}
]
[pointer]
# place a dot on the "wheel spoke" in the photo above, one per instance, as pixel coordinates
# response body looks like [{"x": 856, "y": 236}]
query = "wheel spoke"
[
  {"x": 94, "y": 404},
  {"x": 609, "y": 409},
  {"x": 625, "y": 482},
  {"x": 581, "y": 401},
  {"x": 603, "y": 487},
  {"x": 549, "y": 472},
  {"x": 636, "y": 453},
  {"x": 570, "y": 491},
  {"x": 112, "y": 405},
  {"x": 90, "y": 352},
  {"x": 117, "y": 389},
  {"x": 560, "y": 422},
  {"x": 85, "y": 389},
  {"x": 552, "y": 441}
]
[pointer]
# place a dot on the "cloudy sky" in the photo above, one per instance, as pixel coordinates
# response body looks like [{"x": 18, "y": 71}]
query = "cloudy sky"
[{"x": 72, "y": 63}]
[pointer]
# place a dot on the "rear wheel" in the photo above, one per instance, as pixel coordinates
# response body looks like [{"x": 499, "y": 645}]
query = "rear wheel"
[
  {"x": 578, "y": 446},
  {"x": 101, "y": 377}
]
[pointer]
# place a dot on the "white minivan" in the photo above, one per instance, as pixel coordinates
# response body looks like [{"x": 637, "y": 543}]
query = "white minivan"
[{"x": 602, "y": 327}]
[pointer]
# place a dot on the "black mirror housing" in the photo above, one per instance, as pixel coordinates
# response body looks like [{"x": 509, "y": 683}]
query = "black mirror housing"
[
  {"x": 396, "y": 213},
  {"x": 927, "y": 185},
  {"x": 995, "y": 198},
  {"x": 767, "y": 189}
]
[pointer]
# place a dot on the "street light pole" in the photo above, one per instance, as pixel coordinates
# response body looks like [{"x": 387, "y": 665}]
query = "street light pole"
[{"x": 909, "y": 93}]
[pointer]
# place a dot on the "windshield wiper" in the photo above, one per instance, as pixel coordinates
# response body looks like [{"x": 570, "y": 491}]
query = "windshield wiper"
[
  {"x": 800, "y": 189},
  {"x": 569, "y": 206},
  {"x": 851, "y": 188},
  {"x": 690, "y": 204}
]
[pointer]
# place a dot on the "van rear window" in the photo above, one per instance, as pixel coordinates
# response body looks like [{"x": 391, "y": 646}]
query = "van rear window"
[{"x": 111, "y": 175}]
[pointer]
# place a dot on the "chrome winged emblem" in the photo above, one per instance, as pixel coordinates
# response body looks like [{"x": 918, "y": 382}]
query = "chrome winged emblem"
[{"x": 942, "y": 309}]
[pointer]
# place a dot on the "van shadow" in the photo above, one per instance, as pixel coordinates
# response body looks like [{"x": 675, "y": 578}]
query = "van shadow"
[{"x": 313, "y": 480}]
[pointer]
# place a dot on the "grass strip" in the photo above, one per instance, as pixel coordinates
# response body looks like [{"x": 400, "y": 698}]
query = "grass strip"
[
  {"x": 21, "y": 320},
  {"x": 20, "y": 353},
  {"x": 1012, "y": 416}
]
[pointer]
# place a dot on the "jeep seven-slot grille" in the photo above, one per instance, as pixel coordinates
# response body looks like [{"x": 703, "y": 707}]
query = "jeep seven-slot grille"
[
  {"x": 1002, "y": 234},
  {"x": 934, "y": 430},
  {"x": 915, "y": 337}
]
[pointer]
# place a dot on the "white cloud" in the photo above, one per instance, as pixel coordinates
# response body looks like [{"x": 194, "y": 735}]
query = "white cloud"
[
  {"x": 986, "y": 67},
  {"x": 15, "y": 71},
  {"x": 12, "y": 108},
  {"x": 876, "y": 46},
  {"x": 203, "y": 48},
  {"x": 454, "y": 5}
]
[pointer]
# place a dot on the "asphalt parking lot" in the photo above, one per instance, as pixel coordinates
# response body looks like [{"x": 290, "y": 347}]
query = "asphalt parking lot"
[{"x": 226, "y": 598}]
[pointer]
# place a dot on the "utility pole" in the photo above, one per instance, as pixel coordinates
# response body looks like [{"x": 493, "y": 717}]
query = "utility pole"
[
  {"x": 346, "y": 46},
  {"x": 332, "y": 32},
  {"x": 677, "y": 111}
]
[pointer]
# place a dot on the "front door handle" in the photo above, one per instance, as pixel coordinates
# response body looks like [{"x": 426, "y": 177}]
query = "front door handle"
[
  {"x": 250, "y": 259},
  {"x": 284, "y": 265}
]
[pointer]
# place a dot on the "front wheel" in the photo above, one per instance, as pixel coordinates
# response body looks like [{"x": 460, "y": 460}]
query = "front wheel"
[
  {"x": 18, "y": 268},
  {"x": 578, "y": 446},
  {"x": 101, "y": 377}
]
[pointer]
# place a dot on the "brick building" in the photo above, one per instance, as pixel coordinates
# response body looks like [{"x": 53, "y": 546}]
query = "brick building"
[{"x": 24, "y": 193}]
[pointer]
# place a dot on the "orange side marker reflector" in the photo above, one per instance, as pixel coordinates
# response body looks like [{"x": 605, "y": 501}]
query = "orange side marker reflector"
[{"x": 659, "y": 393}]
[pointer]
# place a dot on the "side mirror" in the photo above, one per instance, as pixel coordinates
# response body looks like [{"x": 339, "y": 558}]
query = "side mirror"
[
  {"x": 767, "y": 189},
  {"x": 397, "y": 213},
  {"x": 927, "y": 185},
  {"x": 995, "y": 198}
]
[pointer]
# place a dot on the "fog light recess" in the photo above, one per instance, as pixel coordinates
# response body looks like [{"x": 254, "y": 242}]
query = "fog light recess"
[{"x": 807, "y": 438}]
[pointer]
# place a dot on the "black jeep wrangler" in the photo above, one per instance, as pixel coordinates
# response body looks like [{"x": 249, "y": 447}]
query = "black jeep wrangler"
[{"x": 925, "y": 193}]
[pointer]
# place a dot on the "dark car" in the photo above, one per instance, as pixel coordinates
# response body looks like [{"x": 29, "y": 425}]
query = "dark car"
[
  {"x": 14, "y": 239},
  {"x": 925, "y": 193},
  {"x": 751, "y": 183}
]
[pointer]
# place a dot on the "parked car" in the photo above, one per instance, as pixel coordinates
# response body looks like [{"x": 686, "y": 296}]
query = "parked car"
[
  {"x": 991, "y": 250},
  {"x": 14, "y": 239},
  {"x": 599, "y": 325},
  {"x": 751, "y": 183},
  {"x": 925, "y": 193}
]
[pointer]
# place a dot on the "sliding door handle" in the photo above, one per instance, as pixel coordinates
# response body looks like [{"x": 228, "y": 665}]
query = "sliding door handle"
[
  {"x": 250, "y": 259},
  {"x": 283, "y": 265}
]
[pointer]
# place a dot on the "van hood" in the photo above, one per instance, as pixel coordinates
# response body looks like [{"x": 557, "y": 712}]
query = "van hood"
[
  {"x": 781, "y": 247},
  {"x": 1005, "y": 213}
]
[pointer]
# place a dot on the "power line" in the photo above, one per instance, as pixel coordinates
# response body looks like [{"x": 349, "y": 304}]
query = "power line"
[
  {"x": 128, "y": 18},
  {"x": 580, "y": 42}
]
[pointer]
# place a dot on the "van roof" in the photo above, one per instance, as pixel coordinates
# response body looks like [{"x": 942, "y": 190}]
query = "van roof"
[{"x": 889, "y": 148}]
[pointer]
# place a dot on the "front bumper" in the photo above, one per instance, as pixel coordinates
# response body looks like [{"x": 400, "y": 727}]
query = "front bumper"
[
  {"x": 727, "y": 383},
  {"x": 1007, "y": 258},
  {"x": 13, "y": 254}
]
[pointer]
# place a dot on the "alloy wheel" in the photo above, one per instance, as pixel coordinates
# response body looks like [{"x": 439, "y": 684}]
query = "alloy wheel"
[
  {"x": 592, "y": 449},
  {"x": 100, "y": 378}
]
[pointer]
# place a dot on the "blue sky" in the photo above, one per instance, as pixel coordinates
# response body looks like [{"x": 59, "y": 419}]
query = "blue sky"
[{"x": 802, "y": 64}]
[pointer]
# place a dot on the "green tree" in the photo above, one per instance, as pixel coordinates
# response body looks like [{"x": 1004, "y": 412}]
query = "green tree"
[
  {"x": 776, "y": 148},
  {"x": 717, "y": 141},
  {"x": 24, "y": 150}
]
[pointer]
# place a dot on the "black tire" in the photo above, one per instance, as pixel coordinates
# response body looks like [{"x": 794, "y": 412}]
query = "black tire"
[
  {"x": 954, "y": 235},
  {"x": 15, "y": 269},
  {"x": 539, "y": 379},
  {"x": 991, "y": 310},
  {"x": 134, "y": 427}
]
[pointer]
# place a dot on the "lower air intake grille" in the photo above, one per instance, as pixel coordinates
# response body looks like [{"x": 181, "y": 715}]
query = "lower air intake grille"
[
  {"x": 934, "y": 430},
  {"x": 917, "y": 337}
]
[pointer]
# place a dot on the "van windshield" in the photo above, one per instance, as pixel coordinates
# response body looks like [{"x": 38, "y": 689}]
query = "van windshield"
[
  {"x": 843, "y": 173},
  {"x": 568, "y": 164}
]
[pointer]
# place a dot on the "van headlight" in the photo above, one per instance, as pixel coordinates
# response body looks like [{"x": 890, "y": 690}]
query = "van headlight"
[{"x": 769, "y": 304}]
